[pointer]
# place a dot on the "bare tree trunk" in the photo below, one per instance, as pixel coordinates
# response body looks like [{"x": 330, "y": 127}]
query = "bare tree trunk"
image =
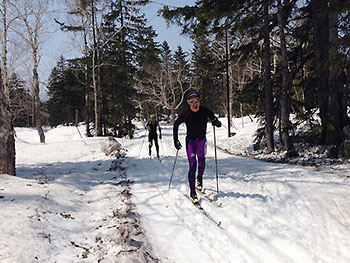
[
  {"x": 229, "y": 105},
  {"x": 86, "y": 79},
  {"x": 95, "y": 78},
  {"x": 99, "y": 105},
  {"x": 34, "y": 23},
  {"x": 76, "y": 118},
  {"x": 37, "y": 106},
  {"x": 267, "y": 82},
  {"x": 321, "y": 46},
  {"x": 284, "y": 97},
  {"x": 87, "y": 115},
  {"x": 4, "y": 69},
  {"x": 7, "y": 141},
  {"x": 333, "y": 133},
  {"x": 241, "y": 111},
  {"x": 172, "y": 114}
]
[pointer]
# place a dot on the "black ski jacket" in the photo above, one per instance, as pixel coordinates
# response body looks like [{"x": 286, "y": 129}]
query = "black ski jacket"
[
  {"x": 152, "y": 129},
  {"x": 196, "y": 122}
]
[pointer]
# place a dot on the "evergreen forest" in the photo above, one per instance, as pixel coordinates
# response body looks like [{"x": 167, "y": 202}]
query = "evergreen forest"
[{"x": 286, "y": 62}]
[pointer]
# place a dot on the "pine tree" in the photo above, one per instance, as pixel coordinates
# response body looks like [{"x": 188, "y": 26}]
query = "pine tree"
[
  {"x": 321, "y": 46},
  {"x": 267, "y": 79},
  {"x": 20, "y": 102},
  {"x": 148, "y": 58},
  {"x": 65, "y": 93},
  {"x": 254, "y": 23},
  {"x": 207, "y": 72},
  {"x": 121, "y": 57}
]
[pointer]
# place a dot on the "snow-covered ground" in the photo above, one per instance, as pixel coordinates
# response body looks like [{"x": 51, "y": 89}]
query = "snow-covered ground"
[{"x": 67, "y": 205}]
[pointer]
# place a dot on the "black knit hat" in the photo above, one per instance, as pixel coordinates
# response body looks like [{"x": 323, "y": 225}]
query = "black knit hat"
[{"x": 192, "y": 94}]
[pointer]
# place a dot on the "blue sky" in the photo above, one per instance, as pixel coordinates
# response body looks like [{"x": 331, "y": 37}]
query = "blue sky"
[
  {"x": 61, "y": 44},
  {"x": 172, "y": 33}
]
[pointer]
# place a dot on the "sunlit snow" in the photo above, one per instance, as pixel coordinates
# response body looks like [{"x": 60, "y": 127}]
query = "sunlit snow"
[{"x": 66, "y": 204}]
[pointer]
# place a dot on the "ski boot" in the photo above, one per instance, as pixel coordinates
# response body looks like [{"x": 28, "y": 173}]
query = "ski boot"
[
  {"x": 194, "y": 197},
  {"x": 200, "y": 183}
]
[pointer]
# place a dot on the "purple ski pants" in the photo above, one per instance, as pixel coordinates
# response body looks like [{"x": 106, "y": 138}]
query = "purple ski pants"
[{"x": 195, "y": 150}]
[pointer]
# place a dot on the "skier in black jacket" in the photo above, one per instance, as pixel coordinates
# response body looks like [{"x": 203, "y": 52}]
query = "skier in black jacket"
[
  {"x": 195, "y": 118},
  {"x": 151, "y": 126}
]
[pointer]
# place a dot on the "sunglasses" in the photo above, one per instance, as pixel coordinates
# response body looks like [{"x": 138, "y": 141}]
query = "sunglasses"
[{"x": 193, "y": 101}]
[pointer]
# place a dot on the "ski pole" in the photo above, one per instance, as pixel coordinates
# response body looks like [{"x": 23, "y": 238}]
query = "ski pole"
[
  {"x": 161, "y": 143},
  {"x": 231, "y": 133},
  {"x": 216, "y": 162},
  {"x": 143, "y": 142},
  {"x": 78, "y": 131},
  {"x": 172, "y": 173}
]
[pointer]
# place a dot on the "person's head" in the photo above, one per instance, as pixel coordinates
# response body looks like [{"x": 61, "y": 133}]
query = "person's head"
[
  {"x": 193, "y": 100},
  {"x": 153, "y": 117}
]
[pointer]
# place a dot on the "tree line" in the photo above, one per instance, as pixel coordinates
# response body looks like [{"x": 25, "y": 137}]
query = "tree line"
[
  {"x": 286, "y": 62},
  {"x": 287, "y": 59}
]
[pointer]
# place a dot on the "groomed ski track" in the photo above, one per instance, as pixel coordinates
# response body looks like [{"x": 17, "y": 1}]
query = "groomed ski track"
[{"x": 270, "y": 212}]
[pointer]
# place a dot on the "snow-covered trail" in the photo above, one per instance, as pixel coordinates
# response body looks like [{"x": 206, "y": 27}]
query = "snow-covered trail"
[
  {"x": 66, "y": 204},
  {"x": 270, "y": 212}
]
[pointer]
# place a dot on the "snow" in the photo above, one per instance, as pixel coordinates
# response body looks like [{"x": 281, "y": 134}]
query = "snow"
[
  {"x": 71, "y": 203},
  {"x": 67, "y": 204}
]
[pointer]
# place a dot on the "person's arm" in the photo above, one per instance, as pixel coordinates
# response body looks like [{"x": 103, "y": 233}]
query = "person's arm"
[
  {"x": 214, "y": 121},
  {"x": 148, "y": 127},
  {"x": 160, "y": 131},
  {"x": 177, "y": 123}
]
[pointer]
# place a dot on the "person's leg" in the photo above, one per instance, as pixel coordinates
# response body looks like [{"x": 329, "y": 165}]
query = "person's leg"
[
  {"x": 149, "y": 145},
  {"x": 200, "y": 151},
  {"x": 157, "y": 145},
  {"x": 191, "y": 156}
]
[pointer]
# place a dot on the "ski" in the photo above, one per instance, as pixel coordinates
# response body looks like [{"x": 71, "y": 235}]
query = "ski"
[
  {"x": 201, "y": 209},
  {"x": 210, "y": 200}
]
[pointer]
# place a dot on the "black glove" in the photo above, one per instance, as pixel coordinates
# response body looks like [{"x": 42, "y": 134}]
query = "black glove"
[
  {"x": 177, "y": 144},
  {"x": 216, "y": 123},
  {"x": 160, "y": 136}
]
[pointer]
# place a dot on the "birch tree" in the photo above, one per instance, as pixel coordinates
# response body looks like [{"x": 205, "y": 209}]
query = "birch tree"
[
  {"x": 7, "y": 142},
  {"x": 33, "y": 17},
  {"x": 4, "y": 41},
  {"x": 167, "y": 82},
  {"x": 240, "y": 72}
]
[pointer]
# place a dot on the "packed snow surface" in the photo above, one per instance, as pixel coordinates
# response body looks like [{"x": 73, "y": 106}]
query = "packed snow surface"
[{"x": 66, "y": 204}]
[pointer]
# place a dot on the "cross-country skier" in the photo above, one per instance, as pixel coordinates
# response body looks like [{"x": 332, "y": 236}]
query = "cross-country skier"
[
  {"x": 151, "y": 126},
  {"x": 195, "y": 118}
]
